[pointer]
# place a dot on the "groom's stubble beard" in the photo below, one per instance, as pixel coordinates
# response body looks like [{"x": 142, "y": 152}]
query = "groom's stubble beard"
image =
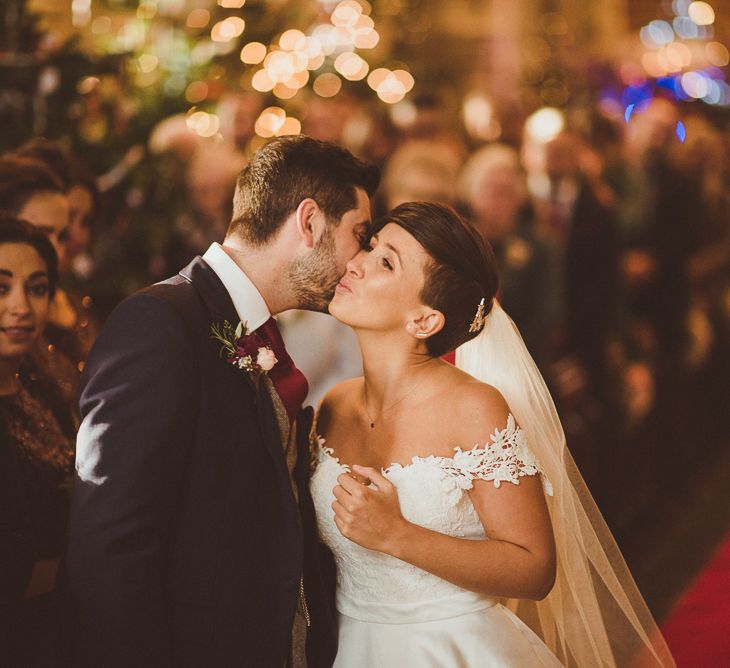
[{"x": 315, "y": 277}]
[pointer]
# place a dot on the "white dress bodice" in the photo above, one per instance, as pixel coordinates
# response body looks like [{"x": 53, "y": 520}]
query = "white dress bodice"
[{"x": 432, "y": 492}]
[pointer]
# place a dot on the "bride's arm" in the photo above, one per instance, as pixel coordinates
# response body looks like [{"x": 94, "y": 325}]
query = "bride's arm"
[{"x": 518, "y": 560}]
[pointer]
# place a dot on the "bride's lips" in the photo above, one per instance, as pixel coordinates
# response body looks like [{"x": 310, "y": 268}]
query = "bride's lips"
[
  {"x": 343, "y": 287},
  {"x": 18, "y": 334}
]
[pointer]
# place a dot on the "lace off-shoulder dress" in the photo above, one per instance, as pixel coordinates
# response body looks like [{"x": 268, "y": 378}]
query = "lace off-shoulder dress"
[{"x": 393, "y": 614}]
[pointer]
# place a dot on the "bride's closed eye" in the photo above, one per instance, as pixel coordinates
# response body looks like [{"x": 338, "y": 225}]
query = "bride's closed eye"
[{"x": 383, "y": 261}]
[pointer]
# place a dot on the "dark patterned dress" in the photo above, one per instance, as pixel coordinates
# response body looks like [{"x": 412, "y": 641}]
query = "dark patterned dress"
[{"x": 36, "y": 465}]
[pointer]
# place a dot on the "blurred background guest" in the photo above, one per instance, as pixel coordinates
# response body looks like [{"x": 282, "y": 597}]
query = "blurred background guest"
[
  {"x": 575, "y": 218},
  {"x": 73, "y": 324},
  {"x": 32, "y": 192},
  {"x": 238, "y": 113},
  {"x": 494, "y": 191},
  {"x": 36, "y": 453},
  {"x": 582, "y": 232},
  {"x": 657, "y": 220},
  {"x": 210, "y": 179},
  {"x": 421, "y": 170},
  {"x": 83, "y": 200}
]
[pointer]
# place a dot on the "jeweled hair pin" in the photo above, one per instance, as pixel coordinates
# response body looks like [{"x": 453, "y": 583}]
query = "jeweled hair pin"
[{"x": 478, "y": 321}]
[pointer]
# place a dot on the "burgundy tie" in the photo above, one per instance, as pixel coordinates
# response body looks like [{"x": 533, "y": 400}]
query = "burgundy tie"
[{"x": 290, "y": 383}]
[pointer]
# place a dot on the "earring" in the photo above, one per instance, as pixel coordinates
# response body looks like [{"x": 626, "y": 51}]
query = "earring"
[{"x": 421, "y": 334}]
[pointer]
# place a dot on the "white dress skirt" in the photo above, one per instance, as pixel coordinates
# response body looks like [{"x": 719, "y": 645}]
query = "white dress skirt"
[{"x": 394, "y": 615}]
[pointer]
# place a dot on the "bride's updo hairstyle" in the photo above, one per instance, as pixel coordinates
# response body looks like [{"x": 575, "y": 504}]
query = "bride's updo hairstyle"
[{"x": 462, "y": 270}]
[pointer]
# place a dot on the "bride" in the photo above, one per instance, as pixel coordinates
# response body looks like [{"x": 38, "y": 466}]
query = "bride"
[{"x": 462, "y": 532}]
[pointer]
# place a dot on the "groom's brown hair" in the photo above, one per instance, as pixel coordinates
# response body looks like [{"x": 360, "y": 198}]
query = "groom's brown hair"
[{"x": 286, "y": 171}]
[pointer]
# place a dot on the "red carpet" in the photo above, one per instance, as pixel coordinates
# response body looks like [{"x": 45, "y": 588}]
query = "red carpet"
[{"x": 698, "y": 629}]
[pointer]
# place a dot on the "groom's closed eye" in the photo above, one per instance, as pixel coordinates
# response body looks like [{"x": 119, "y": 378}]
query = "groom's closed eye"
[{"x": 362, "y": 235}]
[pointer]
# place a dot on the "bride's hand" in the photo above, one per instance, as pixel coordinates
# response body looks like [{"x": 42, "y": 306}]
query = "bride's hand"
[{"x": 368, "y": 514}]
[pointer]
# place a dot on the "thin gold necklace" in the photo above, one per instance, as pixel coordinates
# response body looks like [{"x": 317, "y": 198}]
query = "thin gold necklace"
[{"x": 382, "y": 412}]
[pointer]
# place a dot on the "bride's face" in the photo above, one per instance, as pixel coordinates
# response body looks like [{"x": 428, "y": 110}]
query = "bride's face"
[{"x": 381, "y": 286}]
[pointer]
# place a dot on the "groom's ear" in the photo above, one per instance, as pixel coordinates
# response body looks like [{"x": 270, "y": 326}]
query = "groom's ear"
[{"x": 309, "y": 220}]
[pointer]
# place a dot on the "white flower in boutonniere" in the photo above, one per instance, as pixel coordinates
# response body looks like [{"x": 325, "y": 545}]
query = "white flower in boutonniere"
[
  {"x": 245, "y": 350},
  {"x": 266, "y": 359}
]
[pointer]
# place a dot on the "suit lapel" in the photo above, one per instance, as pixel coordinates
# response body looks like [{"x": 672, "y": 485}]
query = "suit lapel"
[{"x": 220, "y": 306}]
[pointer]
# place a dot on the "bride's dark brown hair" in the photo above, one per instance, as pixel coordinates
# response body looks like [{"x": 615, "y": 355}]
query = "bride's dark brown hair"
[{"x": 462, "y": 268}]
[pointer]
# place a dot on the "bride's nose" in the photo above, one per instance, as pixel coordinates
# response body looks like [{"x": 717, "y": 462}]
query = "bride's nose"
[{"x": 355, "y": 267}]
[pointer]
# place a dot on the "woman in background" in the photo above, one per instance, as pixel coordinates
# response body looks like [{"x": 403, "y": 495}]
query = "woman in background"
[
  {"x": 30, "y": 191},
  {"x": 36, "y": 453},
  {"x": 73, "y": 326}
]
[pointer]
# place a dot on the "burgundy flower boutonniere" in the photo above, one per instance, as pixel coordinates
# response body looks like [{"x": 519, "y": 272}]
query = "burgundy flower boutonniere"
[{"x": 247, "y": 351}]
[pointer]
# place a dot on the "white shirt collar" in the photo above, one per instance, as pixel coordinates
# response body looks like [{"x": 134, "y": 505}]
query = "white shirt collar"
[{"x": 247, "y": 300}]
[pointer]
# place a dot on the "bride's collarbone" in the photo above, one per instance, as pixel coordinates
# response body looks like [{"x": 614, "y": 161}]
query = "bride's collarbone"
[{"x": 391, "y": 442}]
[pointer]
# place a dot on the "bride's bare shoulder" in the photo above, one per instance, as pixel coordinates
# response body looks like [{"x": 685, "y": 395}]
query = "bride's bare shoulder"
[
  {"x": 476, "y": 409},
  {"x": 338, "y": 403}
]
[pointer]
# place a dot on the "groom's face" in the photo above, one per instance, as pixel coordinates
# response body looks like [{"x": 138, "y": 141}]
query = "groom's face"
[
  {"x": 316, "y": 277},
  {"x": 351, "y": 234}
]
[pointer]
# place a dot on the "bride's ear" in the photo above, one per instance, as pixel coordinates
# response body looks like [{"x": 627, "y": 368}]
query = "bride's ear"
[
  {"x": 426, "y": 324},
  {"x": 309, "y": 222}
]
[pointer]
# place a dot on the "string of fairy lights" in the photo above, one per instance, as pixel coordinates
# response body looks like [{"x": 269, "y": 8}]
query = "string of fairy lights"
[
  {"x": 177, "y": 46},
  {"x": 336, "y": 47}
]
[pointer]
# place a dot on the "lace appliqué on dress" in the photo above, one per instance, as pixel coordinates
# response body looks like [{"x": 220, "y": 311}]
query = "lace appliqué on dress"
[{"x": 506, "y": 459}]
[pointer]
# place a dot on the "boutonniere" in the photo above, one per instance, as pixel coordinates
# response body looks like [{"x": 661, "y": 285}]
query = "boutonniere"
[{"x": 242, "y": 349}]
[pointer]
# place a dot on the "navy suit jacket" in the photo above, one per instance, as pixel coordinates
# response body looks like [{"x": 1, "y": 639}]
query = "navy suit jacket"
[{"x": 186, "y": 544}]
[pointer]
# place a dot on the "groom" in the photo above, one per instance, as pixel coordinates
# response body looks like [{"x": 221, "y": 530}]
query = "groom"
[{"x": 192, "y": 539}]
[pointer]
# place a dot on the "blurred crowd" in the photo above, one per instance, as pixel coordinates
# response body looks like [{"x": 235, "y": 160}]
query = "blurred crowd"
[{"x": 613, "y": 240}]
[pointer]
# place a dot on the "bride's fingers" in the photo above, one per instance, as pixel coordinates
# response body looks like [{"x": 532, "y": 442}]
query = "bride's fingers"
[
  {"x": 341, "y": 513},
  {"x": 375, "y": 476},
  {"x": 351, "y": 485},
  {"x": 342, "y": 527},
  {"x": 343, "y": 496}
]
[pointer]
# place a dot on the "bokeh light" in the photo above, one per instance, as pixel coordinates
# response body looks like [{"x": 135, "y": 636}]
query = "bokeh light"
[
  {"x": 327, "y": 85},
  {"x": 681, "y": 132},
  {"x": 253, "y": 53},
  {"x": 479, "y": 120},
  {"x": 228, "y": 29},
  {"x": 273, "y": 122},
  {"x": 198, "y": 18},
  {"x": 717, "y": 54},
  {"x": 196, "y": 92},
  {"x": 701, "y": 13},
  {"x": 289, "y": 39},
  {"x": 262, "y": 82},
  {"x": 147, "y": 63},
  {"x": 203, "y": 123},
  {"x": 101, "y": 25},
  {"x": 545, "y": 124},
  {"x": 351, "y": 66},
  {"x": 694, "y": 84},
  {"x": 656, "y": 34}
]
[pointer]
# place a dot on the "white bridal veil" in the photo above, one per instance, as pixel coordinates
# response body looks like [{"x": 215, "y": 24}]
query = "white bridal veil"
[{"x": 595, "y": 615}]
